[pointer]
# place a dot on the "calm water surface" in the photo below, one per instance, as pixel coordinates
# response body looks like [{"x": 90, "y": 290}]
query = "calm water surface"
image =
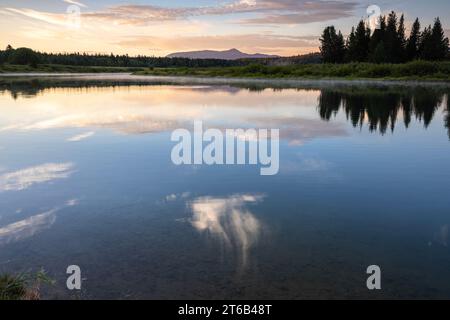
[{"x": 86, "y": 179}]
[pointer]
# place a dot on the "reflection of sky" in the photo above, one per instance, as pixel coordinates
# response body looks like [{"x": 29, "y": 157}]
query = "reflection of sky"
[
  {"x": 82, "y": 136},
  {"x": 30, "y": 226},
  {"x": 159, "y": 109},
  {"x": 25, "y": 178},
  {"x": 27, "y": 227},
  {"x": 229, "y": 221},
  {"x": 340, "y": 190}
]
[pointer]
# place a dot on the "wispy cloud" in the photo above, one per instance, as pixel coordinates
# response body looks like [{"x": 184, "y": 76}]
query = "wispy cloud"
[
  {"x": 266, "y": 11},
  {"x": 269, "y": 11},
  {"x": 52, "y": 18},
  {"x": 301, "y": 12},
  {"x": 145, "y": 14},
  {"x": 25, "y": 178}
]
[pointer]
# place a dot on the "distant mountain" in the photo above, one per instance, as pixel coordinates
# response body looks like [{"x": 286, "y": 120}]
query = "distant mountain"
[{"x": 232, "y": 54}]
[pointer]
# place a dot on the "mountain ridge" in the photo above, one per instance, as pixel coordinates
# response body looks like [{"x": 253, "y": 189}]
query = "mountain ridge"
[{"x": 231, "y": 54}]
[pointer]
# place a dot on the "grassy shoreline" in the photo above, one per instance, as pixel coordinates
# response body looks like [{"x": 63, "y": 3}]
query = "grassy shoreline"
[
  {"x": 418, "y": 70},
  {"x": 412, "y": 71}
]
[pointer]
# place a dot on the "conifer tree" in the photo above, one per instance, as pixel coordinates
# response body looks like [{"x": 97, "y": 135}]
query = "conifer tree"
[
  {"x": 401, "y": 38},
  {"x": 392, "y": 44},
  {"x": 376, "y": 45},
  {"x": 439, "y": 41},
  {"x": 412, "y": 45},
  {"x": 350, "y": 46},
  {"x": 426, "y": 44},
  {"x": 332, "y": 46},
  {"x": 358, "y": 43}
]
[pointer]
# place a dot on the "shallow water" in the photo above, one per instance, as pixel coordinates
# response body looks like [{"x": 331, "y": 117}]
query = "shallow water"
[{"x": 86, "y": 178}]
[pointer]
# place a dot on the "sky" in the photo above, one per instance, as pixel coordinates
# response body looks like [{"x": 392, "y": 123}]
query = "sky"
[{"x": 157, "y": 28}]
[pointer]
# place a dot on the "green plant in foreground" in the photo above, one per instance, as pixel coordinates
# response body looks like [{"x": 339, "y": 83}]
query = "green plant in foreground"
[{"x": 24, "y": 286}]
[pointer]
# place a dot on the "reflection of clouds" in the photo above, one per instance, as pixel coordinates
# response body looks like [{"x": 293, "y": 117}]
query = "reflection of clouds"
[
  {"x": 154, "y": 109},
  {"x": 126, "y": 123},
  {"x": 30, "y": 226},
  {"x": 25, "y": 178},
  {"x": 229, "y": 221},
  {"x": 142, "y": 125},
  {"x": 174, "y": 196},
  {"x": 72, "y": 202},
  {"x": 297, "y": 130},
  {"x": 81, "y": 136}
]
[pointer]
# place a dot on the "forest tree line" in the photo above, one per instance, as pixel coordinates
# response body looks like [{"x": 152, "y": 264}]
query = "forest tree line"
[
  {"x": 388, "y": 43},
  {"x": 26, "y": 56}
]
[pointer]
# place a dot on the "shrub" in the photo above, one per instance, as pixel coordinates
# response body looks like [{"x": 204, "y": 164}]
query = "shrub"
[
  {"x": 376, "y": 71},
  {"x": 418, "y": 68}
]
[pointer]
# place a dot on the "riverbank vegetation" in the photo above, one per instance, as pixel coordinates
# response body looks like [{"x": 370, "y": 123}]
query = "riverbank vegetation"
[
  {"x": 24, "y": 286},
  {"x": 416, "y": 70}
]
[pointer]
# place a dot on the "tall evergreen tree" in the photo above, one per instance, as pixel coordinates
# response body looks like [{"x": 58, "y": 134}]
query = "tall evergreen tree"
[
  {"x": 440, "y": 41},
  {"x": 392, "y": 43},
  {"x": 412, "y": 45},
  {"x": 350, "y": 46},
  {"x": 358, "y": 43},
  {"x": 332, "y": 46},
  {"x": 340, "y": 48},
  {"x": 401, "y": 38},
  {"x": 426, "y": 44},
  {"x": 376, "y": 45}
]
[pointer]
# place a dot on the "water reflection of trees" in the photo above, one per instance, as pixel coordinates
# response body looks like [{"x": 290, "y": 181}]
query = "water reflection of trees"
[
  {"x": 33, "y": 87},
  {"x": 381, "y": 107}
]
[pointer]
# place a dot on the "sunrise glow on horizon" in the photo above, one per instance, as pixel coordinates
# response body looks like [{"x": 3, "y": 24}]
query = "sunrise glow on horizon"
[{"x": 158, "y": 28}]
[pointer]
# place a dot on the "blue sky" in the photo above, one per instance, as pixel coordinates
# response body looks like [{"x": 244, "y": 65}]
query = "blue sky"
[{"x": 152, "y": 27}]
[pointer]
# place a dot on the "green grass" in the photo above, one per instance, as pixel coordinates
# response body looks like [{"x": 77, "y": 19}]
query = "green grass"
[
  {"x": 54, "y": 68},
  {"x": 24, "y": 286},
  {"x": 417, "y": 70},
  {"x": 12, "y": 287}
]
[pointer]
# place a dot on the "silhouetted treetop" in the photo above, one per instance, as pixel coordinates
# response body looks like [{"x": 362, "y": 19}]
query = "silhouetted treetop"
[{"x": 388, "y": 43}]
